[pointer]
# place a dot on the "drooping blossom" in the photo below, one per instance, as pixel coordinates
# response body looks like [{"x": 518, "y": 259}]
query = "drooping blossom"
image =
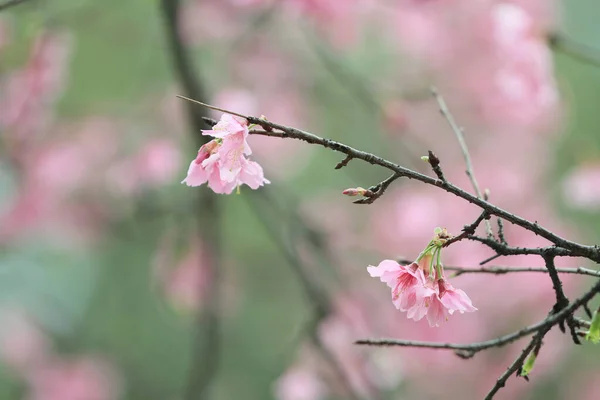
[
  {"x": 420, "y": 288},
  {"x": 222, "y": 162}
]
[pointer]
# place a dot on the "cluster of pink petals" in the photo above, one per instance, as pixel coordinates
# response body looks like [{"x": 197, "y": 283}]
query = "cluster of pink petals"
[
  {"x": 421, "y": 296},
  {"x": 222, "y": 162}
]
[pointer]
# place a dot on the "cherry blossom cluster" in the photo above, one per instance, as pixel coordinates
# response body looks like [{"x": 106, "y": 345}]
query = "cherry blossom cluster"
[
  {"x": 421, "y": 289},
  {"x": 223, "y": 161}
]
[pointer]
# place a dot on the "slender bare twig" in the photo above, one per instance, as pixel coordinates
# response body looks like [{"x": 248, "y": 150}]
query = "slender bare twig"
[
  {"x": 282, "y": 131},
  {"x": 377, "y": 191},
  {"x": 500, "y": 270},
  {"x": 468, "y": 229},
  {"x": 518, "y": 363},
  {"x": 458, "y": 132}
]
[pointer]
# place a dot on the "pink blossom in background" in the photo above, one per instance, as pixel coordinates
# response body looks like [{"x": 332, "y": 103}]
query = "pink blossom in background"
[
  {"x": 299, "y": 383},
  {"x": 183, "y": 279},
  {"x": 29, "y": 92},
  {"x": 338, "y": 21},
  {"x": 158, "y": 162},
  {"x": 581, "y": 187},
  {"x": 491, "y": 56},
  {"x": 23, "y": 345},
  {"x": 224, "y": 24},
  {"x": 81, "y": 378}
]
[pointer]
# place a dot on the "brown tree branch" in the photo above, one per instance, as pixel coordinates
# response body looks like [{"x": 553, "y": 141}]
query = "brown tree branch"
[{"x": 282, "y": 131}]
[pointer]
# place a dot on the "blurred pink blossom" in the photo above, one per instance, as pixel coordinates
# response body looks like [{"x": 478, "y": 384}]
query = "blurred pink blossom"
[
  {"x": 581, "y": 187},
  {"x": 82, "y": 378},
  {"x": 299, "y": 383},
  {"x": 23, "y": 345},
  {"x": 158, "y": 162},
  {"x": 182, "y": 280},
  {"x": 29, "y": 92}
]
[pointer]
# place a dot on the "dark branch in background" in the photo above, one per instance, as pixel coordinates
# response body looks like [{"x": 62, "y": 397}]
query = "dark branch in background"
[
  {"x": 10, "y": 3},
  {"x": 315, "y": 293},
  {"x": 204, "y": 358},
  {"x": 277, "y": 130},
  {"x": 581, "y": 52},
  {"x": 356, "y": 87},
  {"x": 269, "y": 213}
]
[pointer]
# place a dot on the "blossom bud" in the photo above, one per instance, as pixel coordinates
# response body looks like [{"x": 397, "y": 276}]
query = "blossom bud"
[
  {"x": 593, "y": 334},
  {"x": 356, "y": 192},
  {"x": 528, "y": 364},
  {"x": 425, "y": 158}
]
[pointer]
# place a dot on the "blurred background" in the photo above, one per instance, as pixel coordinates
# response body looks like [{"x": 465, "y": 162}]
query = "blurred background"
[{"x": 118, "y": 282}]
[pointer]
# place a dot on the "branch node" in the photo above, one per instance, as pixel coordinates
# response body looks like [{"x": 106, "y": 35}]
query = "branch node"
[
  {"x": 344, "y": 162},
  {"x": 434, "y": 161}
]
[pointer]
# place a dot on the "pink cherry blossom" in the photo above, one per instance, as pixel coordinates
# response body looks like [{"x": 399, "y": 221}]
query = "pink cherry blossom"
[
  {"x": 222, "y": 162},
  {"x": 454, "y": 299},
  {"x": 410, "y": 291}
]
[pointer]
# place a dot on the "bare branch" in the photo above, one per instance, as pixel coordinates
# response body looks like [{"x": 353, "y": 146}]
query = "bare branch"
[
  {"x": 282, "y": 131},
  {"x": 468, "y": 230},
  {"x": 377, "y": 190},
  {"x": 500, "y": 270}
]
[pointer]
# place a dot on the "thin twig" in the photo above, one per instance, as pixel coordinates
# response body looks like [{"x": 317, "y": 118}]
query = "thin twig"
[
  {"x": 500, "y": 270},
  {"x": 282, "y": 131},
  {"x": 458, "y": 132},
  {"x": 468, "y": 229},
  {"x": 344, "y": 162},
  {"x": 377, "y": 190},
  {"x": 518, "y": 363}
]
